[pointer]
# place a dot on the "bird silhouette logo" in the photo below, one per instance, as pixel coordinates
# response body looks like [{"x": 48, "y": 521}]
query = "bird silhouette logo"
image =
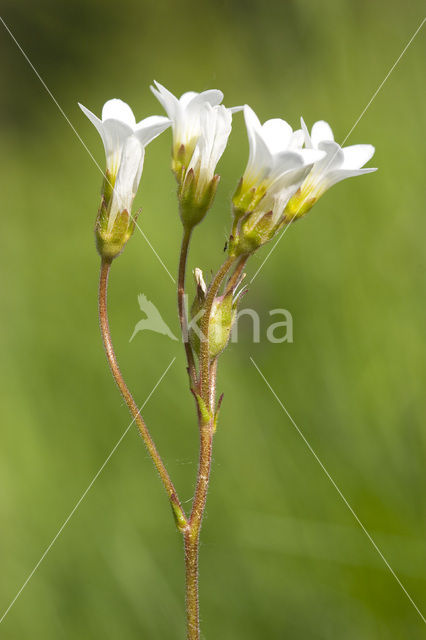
[{"x": 153, "y": 320}]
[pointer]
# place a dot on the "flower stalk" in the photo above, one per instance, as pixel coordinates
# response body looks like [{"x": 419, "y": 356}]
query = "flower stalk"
[
  {"x": 178, "y": 512},
  {"x": 186, "y": 239}
]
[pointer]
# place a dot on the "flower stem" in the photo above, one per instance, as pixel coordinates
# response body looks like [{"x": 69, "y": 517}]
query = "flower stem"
[
  {"x": 213, "y": 374},
  {"x": 191, "y": 576},
  {"x": 192, "y": 535},
  {"x": 207, "y": 392},
  {"x": 237, "y": 273},
  {"x": 178, "y": 511},
  {"x": 186, "y": 238}
]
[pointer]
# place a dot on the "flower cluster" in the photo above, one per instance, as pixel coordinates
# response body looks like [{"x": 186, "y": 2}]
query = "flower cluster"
[{"x": 286, "y": 173}]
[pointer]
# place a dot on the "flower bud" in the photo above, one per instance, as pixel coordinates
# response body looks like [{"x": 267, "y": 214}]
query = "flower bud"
[
  {"x": 221, "y": 320},
  {"x": 196, "y": 312},
  {"x": 222, "y": 317}
]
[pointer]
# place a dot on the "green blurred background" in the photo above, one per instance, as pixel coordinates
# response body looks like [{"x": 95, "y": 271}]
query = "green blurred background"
[{"x": 282, "y": 556}]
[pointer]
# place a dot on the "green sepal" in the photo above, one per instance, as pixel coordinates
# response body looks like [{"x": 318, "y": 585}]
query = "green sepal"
[
  {"x": 108, "y": 187},
  {"x": 178, "y": 163},
  {"x": 181, "y": 157},
  {"x": 205, "y": 413},
  {"x": 111, "y": 242},
  {"x": 193, "y": 206},
  {"x": 246, "y": 198},
  {"x": 250, "y": 236},
  {"x": 196, "y": 307},
  {"x": 221, "y": 320},
  {"x": 179, "y": 518},
  {"x": 298, "y": 206},
  {"x": 216, "y": 415}
]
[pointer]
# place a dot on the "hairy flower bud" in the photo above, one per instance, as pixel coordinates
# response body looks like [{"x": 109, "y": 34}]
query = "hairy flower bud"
[{"x": 222, "y": 317}]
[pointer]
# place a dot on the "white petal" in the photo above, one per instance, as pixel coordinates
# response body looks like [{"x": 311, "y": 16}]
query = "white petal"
[
  {"x": 118, "y": 110},
  {"x": 332, "y": 160},
  {"x": 357, "y": 155},
  {"x": 334, "y": 177},
  {"x": 187, "y": 97},
  {"x": 321, "y": 131},
  {"x": 221, "y": 132},
  {"x": 287, "y": 161},
  {"x": 139, "y": 171},
  {"x": 129, "y": 168},
  {"x": 282, "y": 189},
  {"x": 308, "y": 141},
  {"x": 253, "y": 125},
  {"x": 311, "y": 156},
  {"x": 93, "y": 119},
  {"x": 261, "y": 161},
  {"x": 277, "y": 134},
  {"x": 289, "y": 179},
  {"x": 128, "y": 178},
  {"x": 207, "y": 134},
  {"x": 199, "y": 279},
  {"x": 168, "y": 101},
  {"x": 214, "y": 132},
  {"x": 151, "y": 127},
  {"x": 251, "y": 119},
  {"x": 114, "y": 135},
  {"x": 212, "y": 96},
  {"x": 297, "y": 139}
]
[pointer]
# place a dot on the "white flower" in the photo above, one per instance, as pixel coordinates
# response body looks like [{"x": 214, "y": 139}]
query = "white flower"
[
  {"x": 339, "y": 163},
  {"x": 201, "y": 127},
  {"x": 216, "y": 125},
  {"x": 185, "y": 114},
  {"x": 124, "y": 141},
  {"x": 276, "y": 167}
]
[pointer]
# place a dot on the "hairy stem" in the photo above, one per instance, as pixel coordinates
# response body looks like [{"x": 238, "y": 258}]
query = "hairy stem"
[
  {"x": 191, "y": 576},
  {"x": 192, "y": 536},
  {"x": 207, "y": 392},
  {"x": 186, "y": 238},
  {"x": 212, "y": 385},
  {"x": 178, "y": 511},
  {"x": 237, "y": 273}
]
